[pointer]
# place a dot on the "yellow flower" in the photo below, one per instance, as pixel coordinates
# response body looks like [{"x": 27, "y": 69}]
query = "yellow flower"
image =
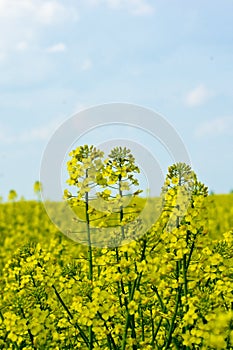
[
  {"x": 133, "y": 307},
  {"x": 175, "y": 180}
]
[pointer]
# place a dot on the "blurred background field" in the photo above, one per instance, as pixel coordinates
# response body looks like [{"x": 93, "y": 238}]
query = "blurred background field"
[{"x": 22, "y": 221}]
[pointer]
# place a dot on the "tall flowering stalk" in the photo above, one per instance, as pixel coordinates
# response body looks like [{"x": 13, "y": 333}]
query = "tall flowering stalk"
[
  {"x": 182, "y": 194},
  {"x": 83, "y": 168},
  {"x": 121, "y": 170}
]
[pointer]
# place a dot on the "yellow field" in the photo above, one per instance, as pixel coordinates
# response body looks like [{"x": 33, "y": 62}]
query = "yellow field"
[{"x": 173, "y": 290}]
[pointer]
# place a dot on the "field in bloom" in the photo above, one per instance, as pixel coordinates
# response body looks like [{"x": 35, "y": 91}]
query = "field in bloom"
[{"x": 168, "y": 289}]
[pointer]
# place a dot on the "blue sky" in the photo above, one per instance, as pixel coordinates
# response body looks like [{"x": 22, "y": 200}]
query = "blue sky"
[{"x": 57, "y": 57}]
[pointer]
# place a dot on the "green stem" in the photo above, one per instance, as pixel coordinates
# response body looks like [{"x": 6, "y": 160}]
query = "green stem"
[
  {"x": 156, "y": 331},
  {"x": 70, "y": 315},
  {"x": 185, "y": 281},
  {"x": 124, "y": 340},
  {"x": 163, "y": 307},
  {"x": 159, "y": 299},
  {"x": 133, "y": 333},
  {"x": 29, "y": 331},
  {"x": 2, "y": 317},
  {"x": 90, "y": 277},
  {"x": 171, "y": 329},
  {"x": 142, "y": 322},
  {"x": 128, "y": 316},
  {"x": 121, "y": 207},
  {"x": 88, "y": 235},
  {"x": 152, "y": 327},
  {"x": 110, "y": 339},
  {"x": 119, "y": 284},
  {"x": 191, "y": 252}
]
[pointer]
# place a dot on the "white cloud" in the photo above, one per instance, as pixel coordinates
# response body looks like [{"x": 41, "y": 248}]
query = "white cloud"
[
  {"x": 134, "y": 7},
  {"x": 87, "y": 65},
  {"x": 14, "y": 9},
  {"x": 50, "y": 12},
  {"x": 41, "y": 133},
  {"x": 60, "y": 47},
  {"x": 23, "y": 21},
  {"x": 215, "y": 127},
  {"x": 43, "y": 11},
  {"x": 141, "y": 7},
  {"x": 198, "y": 96}
]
